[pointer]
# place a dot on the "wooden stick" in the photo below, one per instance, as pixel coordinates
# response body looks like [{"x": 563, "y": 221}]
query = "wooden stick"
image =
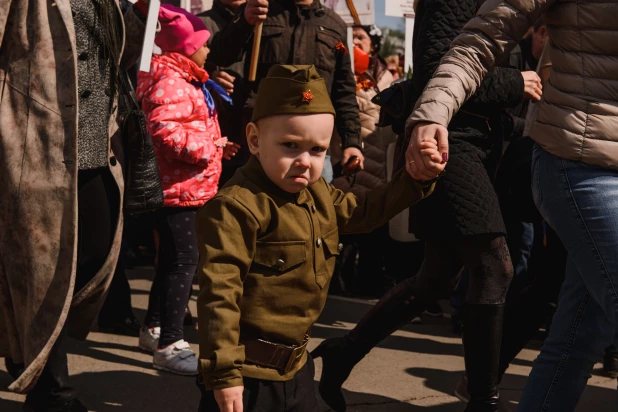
[{"x": 255, "y": 54}]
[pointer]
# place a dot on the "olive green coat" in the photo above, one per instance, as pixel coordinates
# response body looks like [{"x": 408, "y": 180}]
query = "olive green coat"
[
  {"x": 38, "y": 182},
  {"x": 267, "y": 257}
]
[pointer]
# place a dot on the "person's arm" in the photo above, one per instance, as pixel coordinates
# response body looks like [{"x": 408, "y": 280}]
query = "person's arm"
[
  {"x": 343, "y": 95},
  {"x": 135, "y": 27},
  {"x": 228, "y": 46},
  {"x": 226, "y": 233},
  {"x": 497, "y": 29},
  {"x": 501, "y": 89},
  {"x": 379, "y": 205}
]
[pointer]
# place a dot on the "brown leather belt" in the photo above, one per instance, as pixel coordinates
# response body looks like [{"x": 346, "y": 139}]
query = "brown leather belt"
[{"x": 274, "y": 355}]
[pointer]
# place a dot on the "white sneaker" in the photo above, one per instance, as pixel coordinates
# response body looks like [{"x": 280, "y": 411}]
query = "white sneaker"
[
  {"x": 149, "y": 339},
  {"x": 176, "y": 358}
]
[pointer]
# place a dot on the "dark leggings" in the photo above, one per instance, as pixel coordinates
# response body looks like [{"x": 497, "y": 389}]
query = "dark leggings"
[
  {"x": 178, "y": 259},
  {"x": 486, "y": 258}
]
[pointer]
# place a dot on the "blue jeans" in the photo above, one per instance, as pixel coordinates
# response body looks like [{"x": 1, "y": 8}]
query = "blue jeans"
[
  {"x": 327, "y": 172},
  {"x": 581, "y": 203}
]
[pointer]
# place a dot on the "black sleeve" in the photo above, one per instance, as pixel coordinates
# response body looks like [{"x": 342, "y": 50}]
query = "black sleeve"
[
  {"x": 502, "y": 89},
  {"x": 343, "y": 95},
  {"x": 228, "y": 46}
]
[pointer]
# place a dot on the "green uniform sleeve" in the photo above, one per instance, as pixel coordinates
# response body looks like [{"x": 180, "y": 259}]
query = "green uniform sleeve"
[
  {"x": 226, "y": 238},
  {"x": 379, "y": 205}
]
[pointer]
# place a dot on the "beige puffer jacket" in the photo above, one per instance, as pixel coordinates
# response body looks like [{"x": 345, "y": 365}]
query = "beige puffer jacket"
[{"x": 578, "y": 117}]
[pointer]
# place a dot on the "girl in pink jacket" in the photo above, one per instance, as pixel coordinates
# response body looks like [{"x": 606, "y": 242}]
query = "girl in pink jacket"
[{"x": 182, "y": 120}]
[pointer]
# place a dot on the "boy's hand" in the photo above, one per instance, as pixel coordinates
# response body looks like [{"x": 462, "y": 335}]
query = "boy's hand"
[
  {"x": 256, "y": 11},
  {"x": 421, "y": 166},
  {"x": 229, "y": 399}
]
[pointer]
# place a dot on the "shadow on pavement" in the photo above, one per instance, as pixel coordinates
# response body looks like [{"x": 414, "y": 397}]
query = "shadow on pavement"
[
  {"x": 407, "y": 344},
  {"x": 364, "y": 402}
]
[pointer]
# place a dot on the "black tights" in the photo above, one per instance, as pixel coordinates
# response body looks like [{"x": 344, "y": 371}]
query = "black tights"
[
  {"x": 486, "y": 258},
  {"x": 178, "y": 259}
]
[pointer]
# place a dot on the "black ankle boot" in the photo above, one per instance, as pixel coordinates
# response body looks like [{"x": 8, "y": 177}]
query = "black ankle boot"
[
  {"x": 482, "y": 335},
  {"x": 339, "y": 356}
]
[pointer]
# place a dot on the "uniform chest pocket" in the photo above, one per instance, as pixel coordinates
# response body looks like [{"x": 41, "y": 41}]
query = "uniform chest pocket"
[
  {"x": 326, "y": 49},
  {"x": 280, "y": 257},
  {"x": 272, "y": 46},
  {"x": 332, "y": 247}
]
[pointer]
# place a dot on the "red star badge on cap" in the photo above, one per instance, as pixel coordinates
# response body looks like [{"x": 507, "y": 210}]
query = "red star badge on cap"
[{"x": 307, "y": 97}]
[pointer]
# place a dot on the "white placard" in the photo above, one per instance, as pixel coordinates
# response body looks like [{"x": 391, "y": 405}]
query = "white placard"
[
  {"x": 408, "y": 45},
  {"x": 364, "y": 8},
  {"x": 399, "y": 8},
  {"x": 149, "y": 35}
]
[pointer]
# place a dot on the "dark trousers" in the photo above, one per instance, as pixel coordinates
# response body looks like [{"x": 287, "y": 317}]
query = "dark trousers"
[
  {"x": 98, "y": 200},
  {"x": 178, "y": 259},
  {"x": 295, "y": 395}
]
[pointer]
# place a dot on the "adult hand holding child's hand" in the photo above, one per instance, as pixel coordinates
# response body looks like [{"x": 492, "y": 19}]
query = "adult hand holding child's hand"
[
  {"x": 427, "y": 153},
  {"x": 229, "y": 399}
]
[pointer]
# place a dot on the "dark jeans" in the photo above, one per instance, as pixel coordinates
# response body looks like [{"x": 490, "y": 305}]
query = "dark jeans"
[
  {"x": 98, "y": 199},
  {"x": 178, "y": 259},
  {"x": 295, "y": 395}
]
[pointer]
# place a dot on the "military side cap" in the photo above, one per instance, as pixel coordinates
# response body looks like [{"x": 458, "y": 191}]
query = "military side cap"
[{"x": 290, "y": 89}]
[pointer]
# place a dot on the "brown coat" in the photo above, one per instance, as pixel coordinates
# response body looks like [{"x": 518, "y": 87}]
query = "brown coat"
[
  {"x": 38, "y": 182},
  {"x": 578, "y": 118}
]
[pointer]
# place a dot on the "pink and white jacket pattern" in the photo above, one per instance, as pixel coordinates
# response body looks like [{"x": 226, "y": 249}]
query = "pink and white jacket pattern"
[{"x": 186, "y": 137}]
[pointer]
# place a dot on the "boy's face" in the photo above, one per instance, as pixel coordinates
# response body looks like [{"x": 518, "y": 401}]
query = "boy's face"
[{"x": 291, "y": 148}]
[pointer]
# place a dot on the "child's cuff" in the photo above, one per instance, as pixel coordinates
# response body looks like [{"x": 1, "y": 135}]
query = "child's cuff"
[{"x": 232, "y": 378}]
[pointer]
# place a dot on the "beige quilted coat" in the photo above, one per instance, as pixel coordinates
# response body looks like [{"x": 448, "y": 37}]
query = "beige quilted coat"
[
  {"x": 578, "y": 118},
  {"x": 38, "y": 183}
]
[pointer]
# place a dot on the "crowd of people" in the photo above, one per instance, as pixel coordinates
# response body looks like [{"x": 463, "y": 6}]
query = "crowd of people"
[{"x": 499, "y": 155}]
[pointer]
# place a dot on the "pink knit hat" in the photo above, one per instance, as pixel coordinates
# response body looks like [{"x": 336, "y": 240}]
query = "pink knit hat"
[{"x": 181, "y": 31}]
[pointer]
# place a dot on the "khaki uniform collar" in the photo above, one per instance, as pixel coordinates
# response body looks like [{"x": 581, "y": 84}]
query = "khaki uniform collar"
[{"x": 254, "y": 171}]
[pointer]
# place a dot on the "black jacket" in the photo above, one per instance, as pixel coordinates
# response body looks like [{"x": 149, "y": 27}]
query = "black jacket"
[
  {"x": 297, "y": 35},
  {"x": 437, "y": 24}
]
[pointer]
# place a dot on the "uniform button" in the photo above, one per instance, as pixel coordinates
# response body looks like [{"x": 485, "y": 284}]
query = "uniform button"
[
  {"x": 318, "y": 242},
  {"x": 85, "y": 94},
  {"x": 113, "y": 161},
  {"x": 83, "y": 56},
  {"x": 340, "y": 247},
  {"x": 312, "y": 208},
  {"x": 279, "y": 264}
]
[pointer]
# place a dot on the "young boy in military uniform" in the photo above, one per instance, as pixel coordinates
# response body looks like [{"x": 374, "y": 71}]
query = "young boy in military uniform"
[{"x": 268, "y": 243}]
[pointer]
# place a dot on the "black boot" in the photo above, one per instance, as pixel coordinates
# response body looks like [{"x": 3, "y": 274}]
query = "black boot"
[
  {"x": 482, "y": 335},
  {"x": 339, "y": 356},
  {"x": 610, "y": 362}
]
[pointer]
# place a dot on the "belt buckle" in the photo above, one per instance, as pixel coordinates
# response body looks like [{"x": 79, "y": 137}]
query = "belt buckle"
[{"x": 295, "y": 356}]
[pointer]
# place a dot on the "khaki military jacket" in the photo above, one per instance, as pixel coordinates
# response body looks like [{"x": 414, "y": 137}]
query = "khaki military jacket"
[{"x": 267, "y": 257}]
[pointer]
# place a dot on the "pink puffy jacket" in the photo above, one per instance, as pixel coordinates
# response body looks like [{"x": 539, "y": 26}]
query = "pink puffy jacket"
[{"x": 187, "y": 139}]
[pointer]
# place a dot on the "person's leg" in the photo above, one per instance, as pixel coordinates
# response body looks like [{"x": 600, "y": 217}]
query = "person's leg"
[
  {"x": 178, "y": 249},
  {"x": 526, "y": 311},
  {"x": 436, "y": 279},
  {"x": 97, "y": 202},
  {"x": 490, "y": 269},
  {"x": 581, "y": 203},
  {"x": 578, "y": 336},
  {"x": 300, "y": 394}
]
